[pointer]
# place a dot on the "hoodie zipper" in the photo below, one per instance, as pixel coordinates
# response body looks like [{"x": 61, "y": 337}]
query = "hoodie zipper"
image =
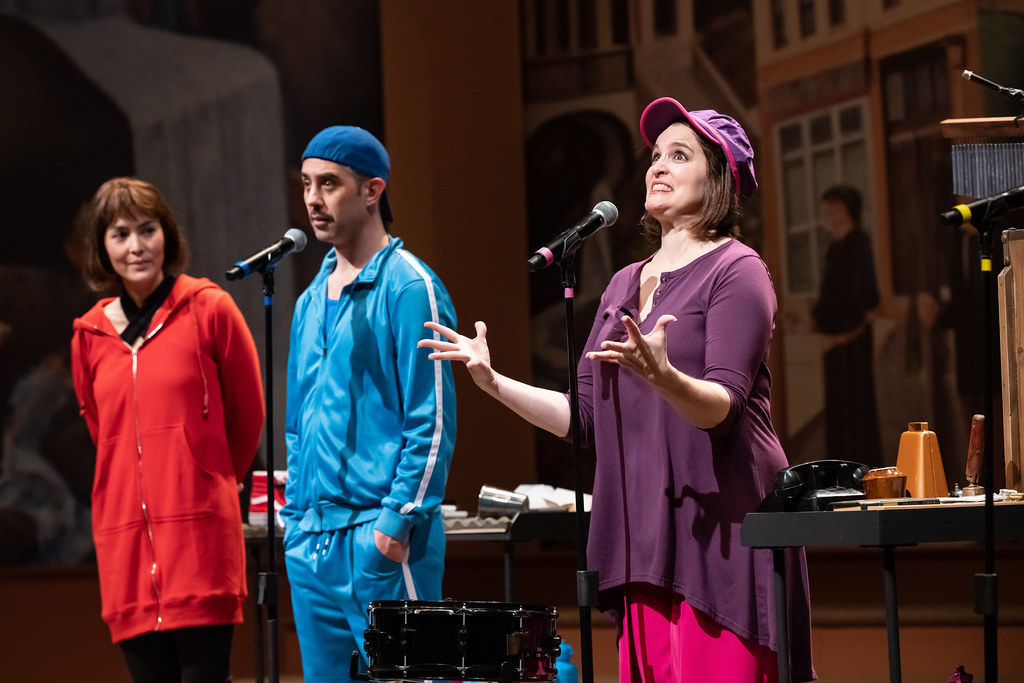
[
  {"x": 142, "y": 496},
  {"x": 154, "y": 569},
  {"x": 321, "y": 379},
  {"x": 138, "y": 451}
]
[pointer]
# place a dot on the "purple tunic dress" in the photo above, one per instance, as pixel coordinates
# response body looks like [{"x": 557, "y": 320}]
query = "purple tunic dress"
[{"x": 669, "y": 498}]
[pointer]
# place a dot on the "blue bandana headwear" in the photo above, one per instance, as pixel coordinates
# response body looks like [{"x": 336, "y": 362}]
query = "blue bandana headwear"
[{"x": 356, "y": 148}]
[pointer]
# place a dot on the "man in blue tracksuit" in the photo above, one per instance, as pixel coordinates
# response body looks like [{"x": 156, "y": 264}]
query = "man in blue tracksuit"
[{"x": 370, "y": 419}]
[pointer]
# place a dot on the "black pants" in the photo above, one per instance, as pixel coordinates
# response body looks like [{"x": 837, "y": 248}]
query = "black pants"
[{"x": 201, "y": 654}]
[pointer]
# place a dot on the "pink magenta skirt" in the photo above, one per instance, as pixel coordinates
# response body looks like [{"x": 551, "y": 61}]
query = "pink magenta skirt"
[{"x": 664, "y": 639}]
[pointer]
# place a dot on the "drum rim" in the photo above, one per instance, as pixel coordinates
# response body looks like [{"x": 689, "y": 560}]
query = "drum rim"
[{"x": 457, "y": 605}]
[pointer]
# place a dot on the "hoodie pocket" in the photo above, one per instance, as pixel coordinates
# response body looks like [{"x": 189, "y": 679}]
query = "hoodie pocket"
[
  {"x": 175, "y": 482},
  {"x": 116, "y": 502},
  {"x": 372, "y": 562}
]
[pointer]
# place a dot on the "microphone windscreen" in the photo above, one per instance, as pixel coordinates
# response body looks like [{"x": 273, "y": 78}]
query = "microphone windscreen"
[
  {"x": 298, "y": 237},
  {"x": 608, "y": 211}
]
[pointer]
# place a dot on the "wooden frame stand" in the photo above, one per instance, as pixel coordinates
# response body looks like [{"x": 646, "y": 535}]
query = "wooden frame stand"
[{"x": 1011, "y": 353}]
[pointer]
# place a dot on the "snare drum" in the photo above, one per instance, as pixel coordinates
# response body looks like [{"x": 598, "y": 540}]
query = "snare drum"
[{"x": 466, "y": 641}]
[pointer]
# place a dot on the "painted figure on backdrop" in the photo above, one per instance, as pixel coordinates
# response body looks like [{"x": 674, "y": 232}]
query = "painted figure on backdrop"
[{"x": 842, "y": 316}]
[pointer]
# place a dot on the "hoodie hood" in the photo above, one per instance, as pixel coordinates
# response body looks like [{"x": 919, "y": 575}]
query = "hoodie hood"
[
  {"x": 185, "y": 288},
  {"x": 182, "y": 295}
]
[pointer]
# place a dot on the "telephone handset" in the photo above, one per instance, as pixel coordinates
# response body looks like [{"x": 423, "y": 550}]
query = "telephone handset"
[{"x": 815, "y": 486}]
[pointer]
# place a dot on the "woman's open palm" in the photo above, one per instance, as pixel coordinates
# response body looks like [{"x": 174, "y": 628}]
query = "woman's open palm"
[{"x": 473, "y": 352}]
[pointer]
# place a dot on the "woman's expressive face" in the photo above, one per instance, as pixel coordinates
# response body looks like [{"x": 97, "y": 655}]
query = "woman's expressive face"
[
  {"x": 677, "y": 177},
  {"x": 135, "y": 247}
]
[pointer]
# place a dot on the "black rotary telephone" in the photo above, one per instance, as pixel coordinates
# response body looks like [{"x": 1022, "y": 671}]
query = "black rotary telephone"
[{"x": 813, "y": 486}]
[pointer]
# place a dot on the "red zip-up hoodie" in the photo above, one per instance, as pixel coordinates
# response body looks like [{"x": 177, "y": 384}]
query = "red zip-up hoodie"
[{"x": 176, "y": 423}]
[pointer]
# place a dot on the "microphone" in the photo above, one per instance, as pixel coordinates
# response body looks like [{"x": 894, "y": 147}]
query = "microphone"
[
  {"x": 984, "y": 210},
  {"x": 1012, "y": 94},
  {"x": 262, "y": 261},
  {"x": 566, "y": 244}
]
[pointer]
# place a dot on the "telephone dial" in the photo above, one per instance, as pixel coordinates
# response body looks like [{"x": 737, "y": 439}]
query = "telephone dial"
[{"x": 813, "y": 486}]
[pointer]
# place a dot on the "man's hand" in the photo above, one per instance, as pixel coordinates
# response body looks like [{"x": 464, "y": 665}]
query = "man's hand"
[{"x": 389, "y": 547}]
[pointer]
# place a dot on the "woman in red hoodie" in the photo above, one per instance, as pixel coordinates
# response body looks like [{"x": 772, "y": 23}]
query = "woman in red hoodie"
[{"x": 168, "y": 380}]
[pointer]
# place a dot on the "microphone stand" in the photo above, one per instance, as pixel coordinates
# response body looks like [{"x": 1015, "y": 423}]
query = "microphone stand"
[
  {"x": 586, "y": 581},
  {"x": 985, "y": 585},
  {"x": 268, "y": 580}
]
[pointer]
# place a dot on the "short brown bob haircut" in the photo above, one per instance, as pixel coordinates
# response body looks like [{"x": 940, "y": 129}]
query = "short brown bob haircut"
[
  {"x": 719, "y": 214},
  {"x": 127, "y": 198}
]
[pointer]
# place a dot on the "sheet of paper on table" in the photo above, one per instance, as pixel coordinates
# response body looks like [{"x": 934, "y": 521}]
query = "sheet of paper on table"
[{"x": 546, "y": 497}]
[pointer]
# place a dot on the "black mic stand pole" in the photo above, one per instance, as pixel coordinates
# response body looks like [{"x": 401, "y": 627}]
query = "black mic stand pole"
[
  {"x": 986, "y": 599},
  {"x": 586, "y": 581},
  {"x": 268, "y": 580}
]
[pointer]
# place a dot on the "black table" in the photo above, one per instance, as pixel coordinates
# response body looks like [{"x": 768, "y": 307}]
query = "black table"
[
  {"x": 537, "y": 525},
  {"x": 885, "y": 528}
]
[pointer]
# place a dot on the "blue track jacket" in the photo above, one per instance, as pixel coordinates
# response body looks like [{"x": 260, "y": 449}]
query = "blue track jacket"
[{"x": 370, "y": 425}]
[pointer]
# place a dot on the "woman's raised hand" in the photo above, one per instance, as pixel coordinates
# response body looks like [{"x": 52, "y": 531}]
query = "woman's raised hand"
[
  {"x": 702, "y": 402},
  {"x": 473, "y": 352},
  {"x": 542, "y": 408},
  {"x": 643, "y": 354}
]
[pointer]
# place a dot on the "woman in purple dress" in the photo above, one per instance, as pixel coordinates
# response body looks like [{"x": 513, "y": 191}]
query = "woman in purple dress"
[{"x": 674, "y": 394}]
